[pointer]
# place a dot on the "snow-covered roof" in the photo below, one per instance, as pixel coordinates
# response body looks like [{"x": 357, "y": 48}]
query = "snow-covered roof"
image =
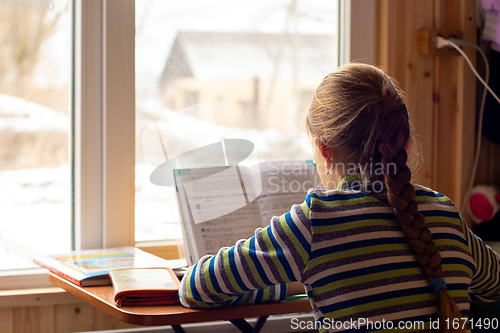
[
  {"x": 214, "y": 55},
  {"x": 24, "y": 116}
]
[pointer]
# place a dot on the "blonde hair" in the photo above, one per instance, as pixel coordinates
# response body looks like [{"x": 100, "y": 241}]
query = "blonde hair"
[{"x": 360, "y": 114}]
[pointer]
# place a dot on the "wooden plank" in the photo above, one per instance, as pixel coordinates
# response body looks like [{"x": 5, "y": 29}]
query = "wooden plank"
[
  {"x": 418, "y": 85},
  {"x": 401, "y": 33},
  {"x": 391, "y": 34},
  {"x": 398, "y": 26},
  {"x": 74, "y": 318},
  {"x": 27, "y": 319},
  {"x": 449, "y": 136},
  {"x": 104, "y": 321},
  {"x": 47, "y": 319},
  {"x": 467, "y": 99},
  {"x": 7, "y": 320},
  {"x": 447, "y": 141}
]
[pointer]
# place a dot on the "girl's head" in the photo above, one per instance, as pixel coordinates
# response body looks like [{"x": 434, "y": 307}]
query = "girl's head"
[
  {"x": 358, "y": 117},
  {"x": 349, "y": 117}
]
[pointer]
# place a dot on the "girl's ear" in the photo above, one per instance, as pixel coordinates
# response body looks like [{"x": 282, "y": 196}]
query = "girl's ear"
[{"x": 325, "y": 151}]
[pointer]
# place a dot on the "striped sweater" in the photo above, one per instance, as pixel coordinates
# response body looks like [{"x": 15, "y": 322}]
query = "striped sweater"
[{"x": 350, "y": 253}]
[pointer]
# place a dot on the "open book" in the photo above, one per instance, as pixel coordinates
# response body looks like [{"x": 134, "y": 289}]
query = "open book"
[{"x": 220, "y": 205}]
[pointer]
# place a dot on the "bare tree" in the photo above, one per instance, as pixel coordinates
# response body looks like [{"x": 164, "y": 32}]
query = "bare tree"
[{"x": 22, "y": 34}]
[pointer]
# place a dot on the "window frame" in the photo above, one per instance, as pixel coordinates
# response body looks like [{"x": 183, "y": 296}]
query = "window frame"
[
  {"x": 103, "y": 117},
  {"x": 103, "y": 136},
  {"x": 104, "y": 163}
]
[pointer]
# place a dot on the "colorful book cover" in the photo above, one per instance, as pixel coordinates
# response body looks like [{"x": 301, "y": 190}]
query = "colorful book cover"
[{"x": 91, "y": 267}]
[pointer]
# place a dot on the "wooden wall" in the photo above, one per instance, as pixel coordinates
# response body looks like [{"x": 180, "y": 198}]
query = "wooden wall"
[
  {"x": 51, "y": 310},
  {"x": 440, "y": 89},
  {"x": 62, "y": 318}
]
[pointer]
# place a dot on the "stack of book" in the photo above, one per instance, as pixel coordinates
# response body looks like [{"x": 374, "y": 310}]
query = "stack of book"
[{"x": 138, "y": 277}]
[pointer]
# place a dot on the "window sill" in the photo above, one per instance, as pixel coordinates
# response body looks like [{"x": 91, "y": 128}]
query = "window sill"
[
  {"x": 168, "y": 250},
  {"x": 36, "y": 278},
  {"x": 24, "y": 279},
  {"x": 36, "y": 297}
]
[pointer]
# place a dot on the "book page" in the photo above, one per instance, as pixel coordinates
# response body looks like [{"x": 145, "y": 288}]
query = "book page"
[
  {"x": 214, "y": 209},
  {"x": 284, "y": 183},
  {"x": 224, "y": 231},
  {"x": 212, "y": 192}
]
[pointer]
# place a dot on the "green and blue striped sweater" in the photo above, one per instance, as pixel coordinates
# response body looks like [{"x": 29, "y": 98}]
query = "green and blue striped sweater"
[{"x": 348, "y": 250}]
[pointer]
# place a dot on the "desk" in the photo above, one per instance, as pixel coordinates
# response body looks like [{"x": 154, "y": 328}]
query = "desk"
[{"x": 101, "y": 297}]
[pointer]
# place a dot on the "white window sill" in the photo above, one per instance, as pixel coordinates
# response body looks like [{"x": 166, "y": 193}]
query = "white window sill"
[
  {"x": 36, "y": 297},
  {"x": 38, "y": 277},
  {"x": 24, "y": 279}
]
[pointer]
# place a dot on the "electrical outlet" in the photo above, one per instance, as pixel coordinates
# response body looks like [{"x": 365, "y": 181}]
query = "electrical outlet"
[{"x": 425, "y": 43}]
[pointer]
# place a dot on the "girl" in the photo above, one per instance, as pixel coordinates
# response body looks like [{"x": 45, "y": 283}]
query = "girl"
[{"x": 374, "y": 248}]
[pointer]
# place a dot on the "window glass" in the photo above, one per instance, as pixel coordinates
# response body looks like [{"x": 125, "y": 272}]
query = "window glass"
[
  {"x": 35, "y": 178},
  {"x": 255, "y": 64}
]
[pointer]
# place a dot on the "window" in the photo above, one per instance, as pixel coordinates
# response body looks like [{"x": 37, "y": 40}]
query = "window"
[
  {"x": 256, "y": 63},
  {"x": 101, "y": 162},
  {"x": 245, "y": 102},
  {"x": 35, "y": 123}
]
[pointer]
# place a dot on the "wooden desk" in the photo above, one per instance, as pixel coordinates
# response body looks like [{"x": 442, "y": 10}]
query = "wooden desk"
[{"x": 102, "y": 298}]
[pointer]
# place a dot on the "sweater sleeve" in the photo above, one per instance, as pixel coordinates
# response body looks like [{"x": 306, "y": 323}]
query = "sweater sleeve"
[
  {"x": 254, "y": 270},
  {"x": 485, "y": 284}
]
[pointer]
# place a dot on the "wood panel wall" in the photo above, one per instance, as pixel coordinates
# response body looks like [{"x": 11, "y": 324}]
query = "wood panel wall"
[
  {"x": 440, "y": 89},
  {"x": 62, "y": 318}
]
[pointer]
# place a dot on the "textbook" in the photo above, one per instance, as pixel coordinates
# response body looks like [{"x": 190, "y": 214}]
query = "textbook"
[
  {"x": 144, "y": 286},
  {"x": 91, "y": 267},
  {"x": 221, "y": 205}
]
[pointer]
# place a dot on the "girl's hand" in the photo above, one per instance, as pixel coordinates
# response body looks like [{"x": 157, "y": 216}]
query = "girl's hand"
[{"x": 295, "y": 288}]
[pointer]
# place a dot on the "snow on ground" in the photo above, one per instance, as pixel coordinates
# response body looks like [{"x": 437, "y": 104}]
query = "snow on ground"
[
  {"x": 34, "y": 214},
  {"x": 156, "y": 211}
]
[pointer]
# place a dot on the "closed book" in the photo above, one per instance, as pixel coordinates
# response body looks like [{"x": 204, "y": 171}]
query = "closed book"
[{"x": 144, "y": 286}]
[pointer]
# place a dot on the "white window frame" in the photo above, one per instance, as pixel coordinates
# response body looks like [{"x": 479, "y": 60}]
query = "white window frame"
[
  {"x": 104, "y": 132},
  {"x": 357, "y": 31},
  {"x": 105, "y": 110},
  {"x": 104, "y": 120}
]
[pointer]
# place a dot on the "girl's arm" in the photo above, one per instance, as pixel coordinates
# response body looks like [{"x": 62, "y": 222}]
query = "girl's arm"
[
  {"x": 485, "y": 284},
  {"x": 254, "y": 270}
]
